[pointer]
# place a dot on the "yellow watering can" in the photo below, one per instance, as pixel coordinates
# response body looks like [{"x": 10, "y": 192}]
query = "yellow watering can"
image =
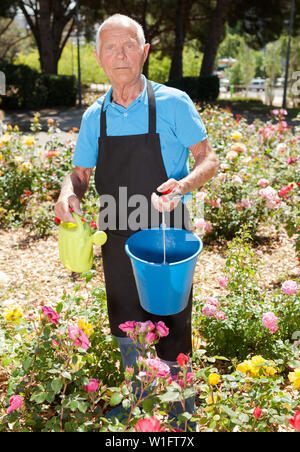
[{"x": 75, "y": 244}]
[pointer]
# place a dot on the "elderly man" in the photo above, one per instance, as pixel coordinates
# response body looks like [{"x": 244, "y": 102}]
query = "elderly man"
[{"x": 138, "y": 136}]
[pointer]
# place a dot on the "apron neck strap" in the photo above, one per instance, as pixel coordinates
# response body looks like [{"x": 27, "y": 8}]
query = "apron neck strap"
[{"x": 152, "y": 112}]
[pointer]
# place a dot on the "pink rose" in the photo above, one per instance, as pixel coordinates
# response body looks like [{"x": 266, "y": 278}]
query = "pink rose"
[
  {"x": 14, "y": 403},
  {"x": 201, "y": 195},
  {"x": 263, "y": 182},
  {"x": 216, "y": 202},
  {"x": 200, "y": 223},
  {"x": 223, "y": 281},
  {"x": 289, "y": 287},
  {"x": 212, "y": 300},
  {"x": 143, "y": 327},
  {"x": 150, "y": 337},
  {"x": 221, "y": 316},
  {"x": 269, "y": 320},
  {"x": 209, "y": 310},
  {"x": 246, "y": 202},
  {"x": 79, "y": 337},
  {"x": 236, "y": 179},
  {"x": 92, "y": 386},
  {"x": 50, "y": 314},
  {"x": 158, "y": 367},
  {"x": 161, "y": 329},
  {"x": 128, "y": 326}
]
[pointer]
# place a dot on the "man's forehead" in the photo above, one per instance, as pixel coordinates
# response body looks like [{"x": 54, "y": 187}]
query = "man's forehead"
[{"x": 123, "y": 30}]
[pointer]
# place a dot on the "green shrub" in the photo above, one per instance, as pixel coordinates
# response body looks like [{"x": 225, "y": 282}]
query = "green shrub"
[
  {"x": 27, "y": 88},
  {"x": 198, "y": 88},
  {"x": 61, "y": 89}
]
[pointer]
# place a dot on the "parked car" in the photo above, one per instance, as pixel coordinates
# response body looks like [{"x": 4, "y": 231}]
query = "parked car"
[{"x": 257, "y": 84}]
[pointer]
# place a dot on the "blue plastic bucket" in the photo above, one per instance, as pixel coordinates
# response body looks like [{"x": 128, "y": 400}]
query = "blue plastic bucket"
[{"x": 163, "y": 289}]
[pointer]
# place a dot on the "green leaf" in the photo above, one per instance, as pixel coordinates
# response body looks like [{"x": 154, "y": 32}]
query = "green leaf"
[
  {"x": 148, "y": 404},
  {"x": 56, "y": 385},
  {"x": 50, "y": 396},
  {"x": 116, "y": 398},
  {"x": 26, "y": 364},
  {"x": 244, "y": 417},
  {"x": 170, "y": 396},
  {"x": 59, "y": 307},
  {"x": 82, "y": 406},
  {"x": 39, "y": 398}
]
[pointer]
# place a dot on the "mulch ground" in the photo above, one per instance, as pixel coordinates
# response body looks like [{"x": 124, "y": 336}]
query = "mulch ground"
[{"x": 36, "y": 276}]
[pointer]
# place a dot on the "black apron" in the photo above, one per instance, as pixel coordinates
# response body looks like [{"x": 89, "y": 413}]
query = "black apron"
[{"x": 135, "y": 162}]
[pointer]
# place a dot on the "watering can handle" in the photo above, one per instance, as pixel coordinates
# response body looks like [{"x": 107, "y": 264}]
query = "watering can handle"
[
  {"x": 172, "y": 193},
  {"x": 76, "y": 218}
]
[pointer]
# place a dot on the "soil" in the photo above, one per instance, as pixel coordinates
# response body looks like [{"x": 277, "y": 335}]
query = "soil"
[{"x": 37, "y": 277}]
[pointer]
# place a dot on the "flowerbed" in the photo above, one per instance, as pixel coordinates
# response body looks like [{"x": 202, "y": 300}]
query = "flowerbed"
[{"x": 63, "y": 369}]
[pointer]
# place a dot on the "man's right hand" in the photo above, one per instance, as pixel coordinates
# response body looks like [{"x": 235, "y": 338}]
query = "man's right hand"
[
  {"x": 76, "y": 182},
  {"x": 62, "y": 208}
]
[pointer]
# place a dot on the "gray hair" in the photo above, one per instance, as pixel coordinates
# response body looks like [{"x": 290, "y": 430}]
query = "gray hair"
[{"x": 120, "y": 19}]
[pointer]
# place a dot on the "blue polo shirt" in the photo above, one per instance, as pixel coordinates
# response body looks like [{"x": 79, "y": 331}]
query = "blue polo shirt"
[{"x": 177, "y": 122}]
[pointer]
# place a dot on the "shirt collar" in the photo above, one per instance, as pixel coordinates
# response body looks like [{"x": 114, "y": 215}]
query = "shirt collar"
[{"x": 141, "y": 98}]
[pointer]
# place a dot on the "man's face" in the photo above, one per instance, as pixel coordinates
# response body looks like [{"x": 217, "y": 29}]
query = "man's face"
[{"x": 121, "y": 54}]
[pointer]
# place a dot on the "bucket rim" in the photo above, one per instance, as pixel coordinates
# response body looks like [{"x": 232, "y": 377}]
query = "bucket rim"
[{"x": 172, "y": 263}]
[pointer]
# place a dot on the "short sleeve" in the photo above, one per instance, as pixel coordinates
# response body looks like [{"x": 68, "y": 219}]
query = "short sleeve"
[
  {"x": 86, "y": 149},
  {"x": 189, "y": 127}
]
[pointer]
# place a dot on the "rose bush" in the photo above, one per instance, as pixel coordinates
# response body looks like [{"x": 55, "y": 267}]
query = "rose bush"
[{"x": 63, "y": 368}]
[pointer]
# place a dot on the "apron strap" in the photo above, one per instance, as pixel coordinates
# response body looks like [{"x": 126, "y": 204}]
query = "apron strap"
[
  {"x": 152, "y": 108},
  {"x": 152, "y": 112}
]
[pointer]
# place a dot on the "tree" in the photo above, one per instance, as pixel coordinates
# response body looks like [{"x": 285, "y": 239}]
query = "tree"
[
  {"x": 11, "y": 38},
  {"x": 215, "y": 34},
  {"x": 183, "y": 9},
  {"x": 51, "y": 23}
]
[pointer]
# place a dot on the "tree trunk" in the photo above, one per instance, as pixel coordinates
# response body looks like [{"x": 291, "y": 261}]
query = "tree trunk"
[
  {"x": 176, "y": 63},
  {"x": 48, "y": 53},
  {"x": 214, "y": 36},
  {"x": 47, "y": 22}
]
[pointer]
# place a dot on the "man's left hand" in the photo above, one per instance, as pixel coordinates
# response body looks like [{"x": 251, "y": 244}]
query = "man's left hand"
[{"x": 162, "y": 202}]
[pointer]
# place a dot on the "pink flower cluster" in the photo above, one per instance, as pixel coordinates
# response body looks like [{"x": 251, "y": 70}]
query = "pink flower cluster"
[
  {"x": 223, "y": 281},
  {"x": 154, "y": 368},
  {"x": 292, "y": 160},
  {"x": 205, "y": 226},
  {"x": 210, "y": 309},
  {"x": 79, "y": 337},
  {"x": 263, "y": 182},
  {"x": 269, "y": 320},
  {"x": 271, "y": 196},
  {"x": 289, "y": 287},
  {"x": 75, "y": 333},
  {"x": 148, "y": 331}
]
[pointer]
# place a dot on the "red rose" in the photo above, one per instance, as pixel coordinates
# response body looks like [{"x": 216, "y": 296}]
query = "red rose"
[
  {"x": 149, "y": 424},
  {"x": 182, "y": 359},
  {"x": 295, "y": 421},
  {"x": 257, "y": 412}
]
